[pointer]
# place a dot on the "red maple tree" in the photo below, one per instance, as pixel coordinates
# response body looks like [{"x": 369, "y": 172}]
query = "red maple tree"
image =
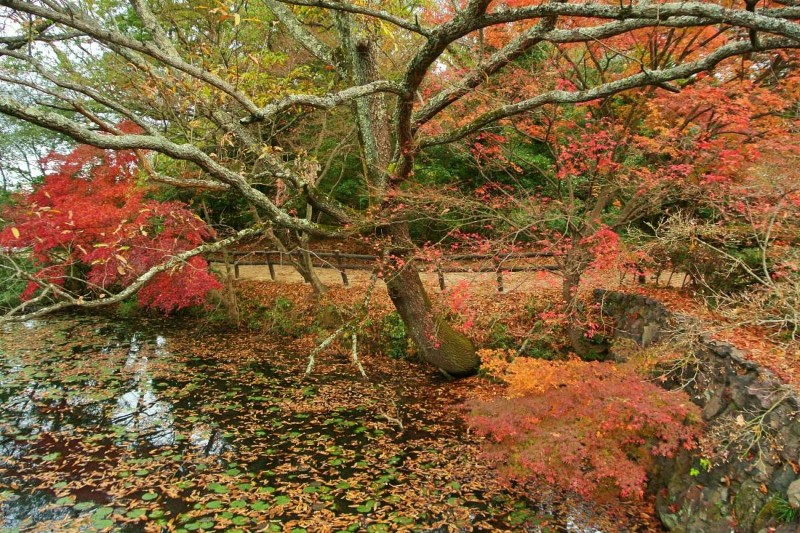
[{"x": 91, "y": 228}]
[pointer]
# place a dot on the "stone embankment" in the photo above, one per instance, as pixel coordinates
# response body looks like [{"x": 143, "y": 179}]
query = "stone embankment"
[{"x": 750, "y": 480}]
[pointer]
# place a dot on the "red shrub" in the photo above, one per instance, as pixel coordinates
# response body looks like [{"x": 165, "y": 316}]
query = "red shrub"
[{"x": 586, "y": 431}]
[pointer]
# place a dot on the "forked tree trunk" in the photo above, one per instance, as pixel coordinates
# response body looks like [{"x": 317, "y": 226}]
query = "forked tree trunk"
[
  {"x": 303, "y": 265},
  {"x": 228, "y": 296},
  {"x": 307, "y": 269},
  {"x": 438, "y": 342}
]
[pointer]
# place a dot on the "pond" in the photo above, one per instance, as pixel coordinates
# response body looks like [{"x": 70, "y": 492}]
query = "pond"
[{"x": 145, "y": 426}]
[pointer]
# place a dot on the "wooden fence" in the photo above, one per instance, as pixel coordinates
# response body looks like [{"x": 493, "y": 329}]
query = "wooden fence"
[{"x": 343, "y": 262}]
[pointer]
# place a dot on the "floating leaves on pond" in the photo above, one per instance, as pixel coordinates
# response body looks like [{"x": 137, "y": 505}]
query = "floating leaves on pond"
[{"x": 131, "y": 426}]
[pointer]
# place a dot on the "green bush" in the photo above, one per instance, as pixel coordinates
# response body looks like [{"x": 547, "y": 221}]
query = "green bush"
[
  {"x": 129, "y": 308},
  {"x": 500, "y": 338},
  {"x": 278, "y": 319},
  {"x": 394, "y": 341}
]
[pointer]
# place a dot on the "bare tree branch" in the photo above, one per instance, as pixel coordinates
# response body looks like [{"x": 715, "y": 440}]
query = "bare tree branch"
[
  {"x": 775, "y": 21},
  {"x": 15, "y": 42},
  {"x": 327, "y": 101},
  {"x": 185, "y": 152},
  {"x": 97, "y": 96},
  {"x": 308, "y": 40},
  {"x": 527, "y": 40},
  {"x": 642, "y": 79},
  {"x": 414, "y": 27},
  {"x": 104, "y": 35},
  {"x": 497, "y": 61}
]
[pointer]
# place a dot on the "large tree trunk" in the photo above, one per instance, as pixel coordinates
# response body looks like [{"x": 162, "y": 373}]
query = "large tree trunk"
[{"x": 439, "y": 344}]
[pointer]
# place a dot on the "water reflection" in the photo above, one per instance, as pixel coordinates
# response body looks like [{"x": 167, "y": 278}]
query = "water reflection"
[{"x": 139, "y": 409}]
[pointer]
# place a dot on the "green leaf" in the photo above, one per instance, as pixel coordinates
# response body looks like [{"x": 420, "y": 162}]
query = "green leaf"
[
  {"x": 66, "y": 500},
  {"x": 83, "y": 506},
  {"x": 367, "y": 507},
  {"x": 217, "y": 488},
  {"x": 103, "y": 512}
]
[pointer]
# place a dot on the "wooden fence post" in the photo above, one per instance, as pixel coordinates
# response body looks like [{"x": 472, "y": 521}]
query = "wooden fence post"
[
  {"x": 340, "y": 263},
  {"x": 440, "y": 273},
  {"x": 235, "y": 267},
  {"x": 270, "y": 265},
  {"x": 498, "y": 274}
]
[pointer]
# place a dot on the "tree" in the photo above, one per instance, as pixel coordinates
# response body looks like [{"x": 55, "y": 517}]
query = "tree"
[
  {"x": 221, "y": 95},
  {"x": 92, "y": 230}
]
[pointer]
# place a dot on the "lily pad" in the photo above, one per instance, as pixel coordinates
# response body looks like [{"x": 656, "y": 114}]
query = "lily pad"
[{"x": 217, "y": 488}]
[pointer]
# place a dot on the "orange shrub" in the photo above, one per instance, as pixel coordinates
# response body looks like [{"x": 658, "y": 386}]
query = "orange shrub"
[{"x": 581, "y": 426}]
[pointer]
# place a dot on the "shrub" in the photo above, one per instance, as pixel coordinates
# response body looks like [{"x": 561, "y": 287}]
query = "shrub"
[
  {"x": 91, "y": 230},
  {"x": 279, "y": 319},
  {"x": 393, "y": 336},
  {"x": 593, "y": 428}
]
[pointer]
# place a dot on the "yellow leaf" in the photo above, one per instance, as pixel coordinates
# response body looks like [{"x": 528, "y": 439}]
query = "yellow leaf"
[
  {"x": 236, "y": 19},
  {"x": 121, "y": 270},
  {"x": 15, "y": 233}
]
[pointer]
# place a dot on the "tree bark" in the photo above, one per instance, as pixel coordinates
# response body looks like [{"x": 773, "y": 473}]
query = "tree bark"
[
  {"x": 574, "y": 315},
  {"x": 304, "y": 266},
  {"x": 438, "y": 342}
]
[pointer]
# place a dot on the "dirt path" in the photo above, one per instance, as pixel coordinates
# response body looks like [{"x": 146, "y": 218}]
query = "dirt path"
[{"x": 512, "y": 281}]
